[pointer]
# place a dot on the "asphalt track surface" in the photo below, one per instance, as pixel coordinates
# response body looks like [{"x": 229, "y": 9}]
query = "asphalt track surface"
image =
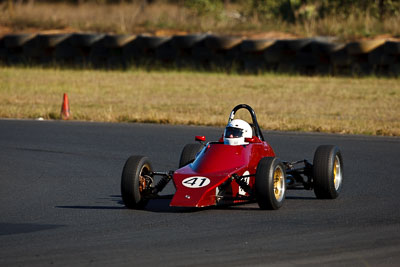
[{"x": 61, "y": 204}]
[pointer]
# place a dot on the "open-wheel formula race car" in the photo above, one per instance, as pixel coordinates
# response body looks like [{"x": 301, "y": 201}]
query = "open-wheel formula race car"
[{"x": 240, "y": 167}]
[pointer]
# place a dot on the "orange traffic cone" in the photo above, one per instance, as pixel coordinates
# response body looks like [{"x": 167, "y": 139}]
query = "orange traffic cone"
[{"x": 65, "y": 108}]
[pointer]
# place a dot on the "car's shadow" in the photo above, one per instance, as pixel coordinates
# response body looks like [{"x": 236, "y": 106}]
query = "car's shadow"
[
  {"x": 155, "y": 205},
  {"x": 303, "y": 198},
  {"x": 162, "y": 205},
  {"x": 91, "y": 207}
]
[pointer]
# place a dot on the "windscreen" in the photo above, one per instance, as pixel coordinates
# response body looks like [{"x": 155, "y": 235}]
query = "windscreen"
[{"x": 231, "y": 132}]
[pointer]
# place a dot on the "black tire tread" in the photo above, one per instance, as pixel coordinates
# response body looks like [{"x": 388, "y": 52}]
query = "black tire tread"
[
  {"x": 129, "y": 179},
  {"x": 323, "y": 161},
  {"x": 264, "y": 177}
]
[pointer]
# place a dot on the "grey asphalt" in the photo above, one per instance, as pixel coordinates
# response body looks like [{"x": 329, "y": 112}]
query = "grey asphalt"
[{"x": 61, "y": 205}]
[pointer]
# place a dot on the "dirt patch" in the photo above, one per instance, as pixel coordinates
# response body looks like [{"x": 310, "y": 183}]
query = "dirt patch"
[
  {"x": 270, "y": 35},
  {"x": 4, "y": 30}
]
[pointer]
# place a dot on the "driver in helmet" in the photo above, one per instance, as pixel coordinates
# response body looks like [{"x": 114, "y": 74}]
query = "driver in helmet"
[{"x": 236, "y": 131}]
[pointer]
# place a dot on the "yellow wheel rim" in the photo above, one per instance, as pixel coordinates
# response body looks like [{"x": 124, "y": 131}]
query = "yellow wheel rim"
[
  {"x": 279, "y": 183},
  {"x": 337, "y": 173}
]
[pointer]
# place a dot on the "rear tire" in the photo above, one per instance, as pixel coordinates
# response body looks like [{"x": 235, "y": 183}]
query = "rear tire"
[
  {"x": 133, "y": 183},
  {"x": 189, "y": 153},
  {"x": 270, "y": 183},
  {"x": 327, "y": 172}
]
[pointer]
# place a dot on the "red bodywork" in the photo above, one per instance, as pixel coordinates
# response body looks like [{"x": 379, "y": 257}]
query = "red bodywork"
[{"x": 213, "y": 167}]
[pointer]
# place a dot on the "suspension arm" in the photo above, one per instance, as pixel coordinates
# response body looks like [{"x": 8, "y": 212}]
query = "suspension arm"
[
  {"x": 299, "y": 176},
  {"x": 165, "y": 178},
  {"x": 242, "y": 183}
]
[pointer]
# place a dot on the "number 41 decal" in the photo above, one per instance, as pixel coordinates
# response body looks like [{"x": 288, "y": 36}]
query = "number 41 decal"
[{"x": 196, "y": 182}]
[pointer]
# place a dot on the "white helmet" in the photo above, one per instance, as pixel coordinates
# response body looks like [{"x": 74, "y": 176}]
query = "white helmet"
[{"x": 236, "y": 131}]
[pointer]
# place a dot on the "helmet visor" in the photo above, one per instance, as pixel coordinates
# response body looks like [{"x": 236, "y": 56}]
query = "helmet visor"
[{"x": 231, "y": 132}]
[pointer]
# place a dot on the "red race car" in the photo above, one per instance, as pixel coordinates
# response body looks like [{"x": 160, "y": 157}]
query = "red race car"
[{"x": 240, "y": 167}]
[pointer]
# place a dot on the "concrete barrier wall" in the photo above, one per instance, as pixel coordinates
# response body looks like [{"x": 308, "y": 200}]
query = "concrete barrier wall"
[{"x": 202, "y": 51}]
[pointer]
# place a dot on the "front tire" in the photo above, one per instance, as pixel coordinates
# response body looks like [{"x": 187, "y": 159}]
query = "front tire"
[
  {"x": 189, "y": 154},
  {"x": 327, "y": 172},
  {"x": 133, "y": 182},
  {"x": 270, "y": 183}
]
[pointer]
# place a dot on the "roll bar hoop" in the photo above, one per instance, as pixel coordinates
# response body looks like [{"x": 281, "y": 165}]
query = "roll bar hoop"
[{"x": 258, "y": 132}]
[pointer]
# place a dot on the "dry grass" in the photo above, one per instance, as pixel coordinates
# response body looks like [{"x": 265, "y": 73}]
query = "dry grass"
[
  {"x": 166, "y": 18},
  {"x": 117, "y": 18},
  {"x": 350, "y": 28},
  {"x": 341, "y": 105}
]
